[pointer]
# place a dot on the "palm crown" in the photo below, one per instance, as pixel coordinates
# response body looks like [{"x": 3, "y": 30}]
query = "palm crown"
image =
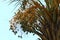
[{"x": 39, "y": 19}]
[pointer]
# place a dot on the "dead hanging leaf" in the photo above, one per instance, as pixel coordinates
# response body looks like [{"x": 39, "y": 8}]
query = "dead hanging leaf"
[{"x": 28, "y": 15}]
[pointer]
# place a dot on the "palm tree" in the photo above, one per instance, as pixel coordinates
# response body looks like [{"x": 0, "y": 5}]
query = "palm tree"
[{"x": 43, "y": 20}]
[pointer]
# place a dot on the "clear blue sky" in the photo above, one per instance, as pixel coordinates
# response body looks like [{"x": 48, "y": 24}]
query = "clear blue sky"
[{"x": 6, "y": 13}]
